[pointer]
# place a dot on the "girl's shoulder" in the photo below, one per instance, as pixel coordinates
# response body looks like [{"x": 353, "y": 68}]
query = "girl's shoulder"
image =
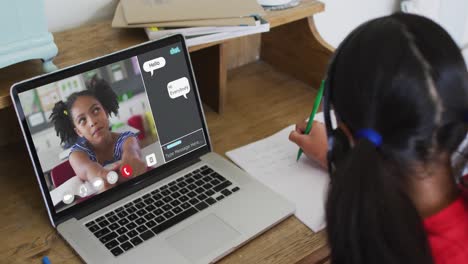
[{"x": 447, "y": 232}]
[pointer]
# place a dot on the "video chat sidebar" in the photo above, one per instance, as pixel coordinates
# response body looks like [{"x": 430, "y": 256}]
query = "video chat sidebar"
[{"x": 167, "y": 81}]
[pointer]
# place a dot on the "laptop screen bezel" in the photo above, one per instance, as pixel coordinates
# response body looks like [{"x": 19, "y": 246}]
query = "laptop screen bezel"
[{"x": 96, "y": 202}]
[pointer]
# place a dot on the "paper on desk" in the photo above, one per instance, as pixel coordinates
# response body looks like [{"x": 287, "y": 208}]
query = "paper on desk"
[{"x": 272, "y": 161}]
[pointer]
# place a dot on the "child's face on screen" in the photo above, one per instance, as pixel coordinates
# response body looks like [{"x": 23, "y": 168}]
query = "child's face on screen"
[{"x": 90, "y": 119}]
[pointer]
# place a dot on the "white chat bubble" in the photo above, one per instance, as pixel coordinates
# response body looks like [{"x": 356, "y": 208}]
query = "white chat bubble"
[
  {"x": 179, "y": 87},
  {"x": 152, "y": 65}
]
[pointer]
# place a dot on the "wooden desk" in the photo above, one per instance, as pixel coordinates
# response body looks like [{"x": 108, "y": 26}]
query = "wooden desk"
[
  {"x": 260, "y": 101},
  {"x": 256, "y": 100}
]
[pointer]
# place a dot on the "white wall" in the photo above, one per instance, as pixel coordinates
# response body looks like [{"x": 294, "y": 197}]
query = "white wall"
[
  {"x": 66, "y": 14},
  {"x": 339, "y": 18},
  {"x": 342, "y": 16}
]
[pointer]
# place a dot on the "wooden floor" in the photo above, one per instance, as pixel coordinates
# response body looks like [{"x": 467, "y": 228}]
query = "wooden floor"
[{"x": 260, "y": 102}]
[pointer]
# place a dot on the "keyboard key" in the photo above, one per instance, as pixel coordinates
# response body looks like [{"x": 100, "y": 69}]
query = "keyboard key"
[
  {"x": 122, "y": 230},
  {"x": 199, "y": 182},
  {"x": 116, "y": 251},
  {"x": 202, "y": 197},
  {"x": 123, "y": 222},
  {"x": 157, "y": 196},
  {"x": 219, "y": 198},
  {"x": 183, "y": 190},
  {"x": 104, "y": 223},
  {"x": 112, "y": 244},
  {"x": 122, "y": 214},
  {"x": 182, "y": 184},
  {"x": 109, "y": 214},
  {"x": 94, "y": 228},
  {"x": 149, "y": 216},
  {"x": 140, "y": 205},
  {"x": 205, "y": 172},
  {"x": 150, "y": 223},
  {"x": 89, "y": 224},
  {"x": 146, "y": 196},
  {"x": 167, "y": 199},
  {"x": 165, "y": 193},
  {"x": 197, "y": 176},
  {"x": 174, "y": 188},
  {"x": 141, "y": 212},
  {"x": 132, "y": 217},
  {"x": 132, "y": 233},
  {"x": 147, "y": 235},
  {"x": 99, "y": 219},
  {"x": 140, "y": 221},
  {"x": 193, "y": 201},
  {"x": 108, "y": 237},
  {"x": 167, "y": 207},
  {"x": 101, "y": 232},
  {"x": 142, "y": 228},
  {"x": 113, "y": 218},
  {"x": 128, "y": 205},
  {"x": 137, "y": 200},
  {"x": 159, "y": 203},
  {"x": 150, "y": 208},
  {"x": 183, "y": 199},
  {"x": 159, "y": 219},
  {"x": 175, "y": 195},
  {"x": 189, "y": 180},
  {"x": 191, "y": 187},
  {"x": 126, "y": 246},
  {"x": 185, "y": 206},
  {"x": 158, "y": 212},
  {"x": 180, "y": 179},
  {"x": 191, "y": 194},
  {"x": 120, "y": 209},
  {"x": 155, "y": 192},
  {"x": 149, "y": 201},
  {"x": 199, "y": 190},
  {"x": 209, "y": 192},
  {"x": 172, "y": 183},
  {"x": 175, "y": 203},
  {"x": 177, "y": 219},
  {"x": 122, "y": 238},
  {"x": 226, "y": 192},
  {"x": 207, "y": 186},
  {"x": 131, "y": 210},
  {"x": 210, "y": 201},
  {"x": 131, "y": 226},
  {"x": 168, "y": 214},
  {"x": 177, "y": 210},
  {"x": 202, "y": 205},
  {"x": 222, "y": 186},
  {"x": 235, "y": 189},
  {"x": 113, "y": 226}
]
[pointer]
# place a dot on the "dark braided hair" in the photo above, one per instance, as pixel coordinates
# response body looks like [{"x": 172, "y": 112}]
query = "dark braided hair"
[{"x": 61, "y": 113}]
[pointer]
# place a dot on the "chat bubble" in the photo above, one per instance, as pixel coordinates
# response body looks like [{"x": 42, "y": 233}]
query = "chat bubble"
[
  {"x": 152, "y": 65},
  {"x": 179, "y": 87}
]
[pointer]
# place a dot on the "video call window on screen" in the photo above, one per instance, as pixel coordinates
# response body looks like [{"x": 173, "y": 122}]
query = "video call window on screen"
[{"x": 103, "y": 115}]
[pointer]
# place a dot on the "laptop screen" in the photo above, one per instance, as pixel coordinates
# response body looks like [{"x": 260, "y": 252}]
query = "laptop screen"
[{"x": 108, "y": 125}]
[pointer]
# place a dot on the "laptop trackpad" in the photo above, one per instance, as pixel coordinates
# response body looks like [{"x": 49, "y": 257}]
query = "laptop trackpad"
[{"x": 202, "y": 238}]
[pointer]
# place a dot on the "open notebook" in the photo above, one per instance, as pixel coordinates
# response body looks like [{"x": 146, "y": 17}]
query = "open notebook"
[{"x": 272, "y": 161}]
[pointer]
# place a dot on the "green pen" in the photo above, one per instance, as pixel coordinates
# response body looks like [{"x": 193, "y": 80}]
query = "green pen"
[{"x": 312, "y": 114}]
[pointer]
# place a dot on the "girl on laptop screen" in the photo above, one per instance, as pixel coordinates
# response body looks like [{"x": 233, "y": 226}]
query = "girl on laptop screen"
[
  {"x": 399, "y": 89},
  {"x": 83, "y": 121}
]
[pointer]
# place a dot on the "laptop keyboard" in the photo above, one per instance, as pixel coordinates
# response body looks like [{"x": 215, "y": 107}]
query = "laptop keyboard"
[{"x": 131, "y": 224}]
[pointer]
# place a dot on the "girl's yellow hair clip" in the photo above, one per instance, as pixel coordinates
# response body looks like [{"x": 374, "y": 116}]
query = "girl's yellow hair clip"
[{"x": 65, "y": 112}]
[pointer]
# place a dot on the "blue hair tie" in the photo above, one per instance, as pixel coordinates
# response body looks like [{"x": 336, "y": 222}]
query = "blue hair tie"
[{"x": 370, "y": 135}]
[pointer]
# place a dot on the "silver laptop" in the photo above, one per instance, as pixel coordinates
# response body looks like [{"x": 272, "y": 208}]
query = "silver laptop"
[{"x": 188, "y": 204}]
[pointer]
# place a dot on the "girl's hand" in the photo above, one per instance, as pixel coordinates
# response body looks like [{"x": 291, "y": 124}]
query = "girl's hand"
[{"x": 314, "y": 144}]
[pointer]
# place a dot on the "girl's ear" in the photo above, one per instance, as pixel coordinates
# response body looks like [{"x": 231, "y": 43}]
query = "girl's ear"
[{"x": 78, "y": 132}]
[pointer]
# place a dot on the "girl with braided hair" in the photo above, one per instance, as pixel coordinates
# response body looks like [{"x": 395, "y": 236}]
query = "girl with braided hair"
[{"x": 83, "y": 121}]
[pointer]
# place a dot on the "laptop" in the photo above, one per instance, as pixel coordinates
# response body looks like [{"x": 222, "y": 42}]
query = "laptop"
[{"x": 188, "y": 204}]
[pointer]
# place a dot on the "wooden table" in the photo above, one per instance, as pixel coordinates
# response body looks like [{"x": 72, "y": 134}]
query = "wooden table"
[
  {"x": 255, "y": 100},
  {"x": 260, "y": 101}
]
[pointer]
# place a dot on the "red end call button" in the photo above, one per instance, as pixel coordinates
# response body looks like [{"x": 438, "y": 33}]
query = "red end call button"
[{"x": 126, "y": 171}]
